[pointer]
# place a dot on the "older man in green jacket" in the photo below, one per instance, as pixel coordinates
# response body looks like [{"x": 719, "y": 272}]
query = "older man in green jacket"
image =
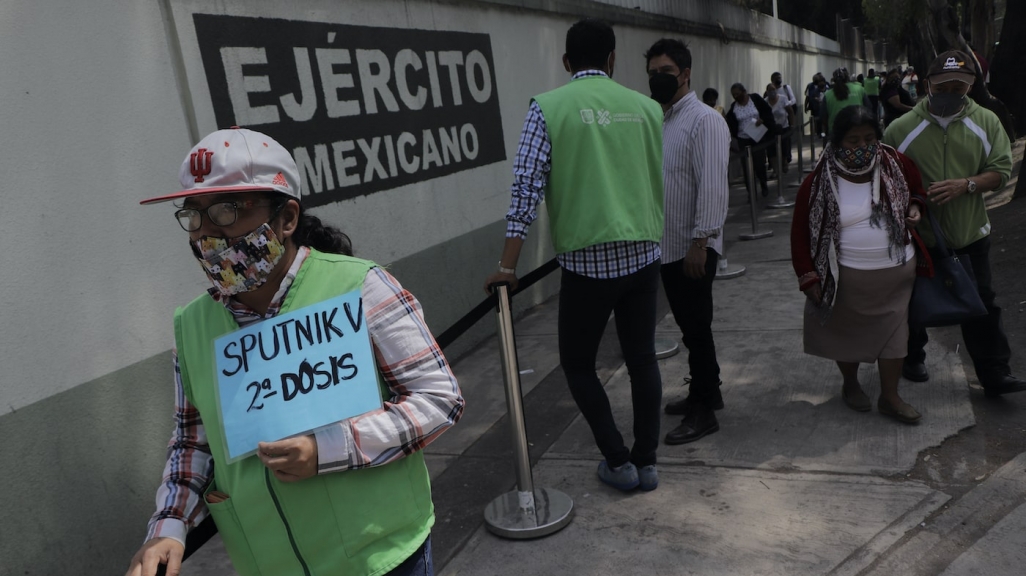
[{"x": 962, "y": 151}]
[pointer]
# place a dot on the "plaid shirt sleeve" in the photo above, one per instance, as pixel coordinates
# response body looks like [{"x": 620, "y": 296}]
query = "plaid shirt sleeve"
[
  {"x": 187, "y": 472},
  {"x": 426, "y": 399},
  {"x": 530, "y": 173}
]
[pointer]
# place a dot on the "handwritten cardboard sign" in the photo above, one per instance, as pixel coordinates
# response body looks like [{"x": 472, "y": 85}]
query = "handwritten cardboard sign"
[{"x": 294, "y": 373}]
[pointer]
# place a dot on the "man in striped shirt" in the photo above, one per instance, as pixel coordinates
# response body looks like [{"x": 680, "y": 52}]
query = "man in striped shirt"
[{"x": 696, "y": 147}]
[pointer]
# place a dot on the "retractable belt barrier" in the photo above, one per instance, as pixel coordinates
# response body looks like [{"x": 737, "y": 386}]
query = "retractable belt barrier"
[{"x": 551, "y": 501}]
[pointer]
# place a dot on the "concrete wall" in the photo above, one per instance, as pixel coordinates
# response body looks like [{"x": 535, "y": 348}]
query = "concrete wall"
[{"x": 101, "y": 102}]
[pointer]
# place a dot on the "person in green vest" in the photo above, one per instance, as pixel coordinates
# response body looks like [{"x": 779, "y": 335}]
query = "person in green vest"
[
  {"x": 843, "y": 93},
  {"x": 872, "y": 87},
  {"x": 593, "y": 150},
  {"x": 350, "y": 498}
]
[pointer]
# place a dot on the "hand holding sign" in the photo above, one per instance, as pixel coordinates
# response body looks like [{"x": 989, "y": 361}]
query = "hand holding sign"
[
  {"x": 291, "y": 459},
  {"x": 292, "y": 374}
]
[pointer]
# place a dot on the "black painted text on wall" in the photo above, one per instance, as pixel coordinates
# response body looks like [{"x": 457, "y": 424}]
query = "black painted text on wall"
[{"x": 362, "y": 109}]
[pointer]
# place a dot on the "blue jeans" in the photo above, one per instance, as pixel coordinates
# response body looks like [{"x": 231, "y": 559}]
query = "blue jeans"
[
  {"x": 584, "y": 308},
  {"x": 418, "y": 564}
]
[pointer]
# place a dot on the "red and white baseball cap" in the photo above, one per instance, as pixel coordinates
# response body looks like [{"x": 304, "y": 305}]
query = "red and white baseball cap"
[{"x": 236, "y": 160}]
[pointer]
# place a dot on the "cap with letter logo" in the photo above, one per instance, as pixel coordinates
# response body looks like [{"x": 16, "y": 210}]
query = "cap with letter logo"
[
  {"x": 952, "y": 65},
  {"x": 236, "y": 160}
]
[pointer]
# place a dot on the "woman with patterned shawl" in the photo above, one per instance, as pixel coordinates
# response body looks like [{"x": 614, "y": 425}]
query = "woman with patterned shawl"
[{"x": 852, "y": 249}]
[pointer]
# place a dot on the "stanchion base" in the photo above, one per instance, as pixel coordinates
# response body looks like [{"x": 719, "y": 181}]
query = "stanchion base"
[
  {"x": 756, "y": 235},
  {"x": 780, "y": 203},
  {"x": 731, "y": 271},
  {"x": 553, "y": 510},
  {"x": 665, "y": 348}
]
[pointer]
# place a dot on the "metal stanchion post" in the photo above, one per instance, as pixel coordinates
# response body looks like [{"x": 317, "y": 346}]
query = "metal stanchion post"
[
  {"x": 755, "y": 234},
  {"x": 780, "y": 166},
  {"x": 812, "y": 149},
  {"x": 665, "y": 347},
  {"x": 526, "y": 512},
  {"x": 780, "y": 202},
  {"x": 725, "y": 271}
]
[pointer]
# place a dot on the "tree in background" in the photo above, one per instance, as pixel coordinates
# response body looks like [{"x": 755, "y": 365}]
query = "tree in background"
[
  {"x": 927, "y": 28},
  {"x": 1008, "y": 71},
  {"x": 1008, "y": 68}
]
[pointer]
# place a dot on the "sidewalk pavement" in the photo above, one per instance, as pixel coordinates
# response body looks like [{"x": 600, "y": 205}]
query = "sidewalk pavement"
[{"x": 793, "y": 483}]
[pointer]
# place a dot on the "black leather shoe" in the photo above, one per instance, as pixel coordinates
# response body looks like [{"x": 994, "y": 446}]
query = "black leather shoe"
[
  {"x": 680, "y": 407},
  {"x": 1004, "y": 385},
  {"x": 698, "y": 423},
  {"x": 914, "y": 371}
]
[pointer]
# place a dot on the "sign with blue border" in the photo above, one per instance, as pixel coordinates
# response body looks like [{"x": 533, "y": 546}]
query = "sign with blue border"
[{"x": 295, "y": 373}]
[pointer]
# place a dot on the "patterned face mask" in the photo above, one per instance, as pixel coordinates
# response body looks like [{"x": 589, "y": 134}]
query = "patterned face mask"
[
  {"x": 243, "y": 265},
  {"x": 857, "y": 158}
]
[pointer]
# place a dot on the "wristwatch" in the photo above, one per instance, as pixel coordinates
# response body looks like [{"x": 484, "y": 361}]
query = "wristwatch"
[{"x": 970, "y": 186}]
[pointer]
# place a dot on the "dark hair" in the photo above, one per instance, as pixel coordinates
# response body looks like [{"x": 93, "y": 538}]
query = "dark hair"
[
  {"x": 738, "y": 86},
  {"x": 710, "y": 94},
  {"x": 313, "y": 233},
  {"x": 853, "y": 117},
  {"x": 589, "y": 43},
  {"x": 872, "y": 73},
  {"x": 840, "y": 84},
  {"x": 674, "y": 49}
]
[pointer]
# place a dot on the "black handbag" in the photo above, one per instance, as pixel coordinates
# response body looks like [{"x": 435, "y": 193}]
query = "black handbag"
[{"x": 950, "y": 297}]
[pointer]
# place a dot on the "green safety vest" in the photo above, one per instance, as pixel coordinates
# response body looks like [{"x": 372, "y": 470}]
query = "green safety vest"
[
  {"x": 872, "y": 86},
  {"x": 606, "y": 180},
  {"x": 356, "y": 522},
  {"x": 833, "y": 105}
]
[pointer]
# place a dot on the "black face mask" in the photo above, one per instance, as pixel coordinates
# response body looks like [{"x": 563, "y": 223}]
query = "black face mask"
[
  {"x": 663, "y": 86},
  {"x": 946, "y": 104}
]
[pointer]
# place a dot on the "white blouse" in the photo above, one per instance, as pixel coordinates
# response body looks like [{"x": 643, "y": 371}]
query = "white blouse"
[{"x": 863, "y": 247}]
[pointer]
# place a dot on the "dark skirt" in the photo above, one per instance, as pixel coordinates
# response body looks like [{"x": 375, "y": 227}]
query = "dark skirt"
[{"x": 869, "y": 319}]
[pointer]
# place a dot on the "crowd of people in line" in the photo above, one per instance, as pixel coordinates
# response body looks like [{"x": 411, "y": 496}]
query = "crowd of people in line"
[
  {"x": 858, "y": 237},
  {"x": 637, "y": 196}
]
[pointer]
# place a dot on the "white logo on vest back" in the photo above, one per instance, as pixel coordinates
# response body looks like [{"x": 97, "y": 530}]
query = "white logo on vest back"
[
  {"x": 588, "y": 116},
  {"x": 603, "y": 118}
]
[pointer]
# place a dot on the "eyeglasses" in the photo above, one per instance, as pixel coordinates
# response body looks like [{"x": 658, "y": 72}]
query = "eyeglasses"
[{"x": 220, "y": 214}]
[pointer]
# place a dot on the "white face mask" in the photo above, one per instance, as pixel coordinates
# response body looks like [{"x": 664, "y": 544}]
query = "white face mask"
[{"x": 236, "y": 265}]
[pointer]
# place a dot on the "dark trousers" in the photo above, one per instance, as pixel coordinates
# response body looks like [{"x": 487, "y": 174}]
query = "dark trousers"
[
  {"x": 691, "y": 302},
  {"x": 785, "y": 147},
  {"x": 984, "y": 337},
  {"x": 758, "y": 159},
  {"x": 874, "y": 105},
  {"x": 584, "y": 308}
]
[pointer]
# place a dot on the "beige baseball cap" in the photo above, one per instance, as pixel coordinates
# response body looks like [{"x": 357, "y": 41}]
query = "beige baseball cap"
[{"x": 235, "y": 160}]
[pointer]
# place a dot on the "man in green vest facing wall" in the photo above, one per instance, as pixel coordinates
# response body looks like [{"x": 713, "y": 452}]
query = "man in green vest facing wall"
[
  {"x": 349, "y": 498},
  {"x": 593, "y": 150}
]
